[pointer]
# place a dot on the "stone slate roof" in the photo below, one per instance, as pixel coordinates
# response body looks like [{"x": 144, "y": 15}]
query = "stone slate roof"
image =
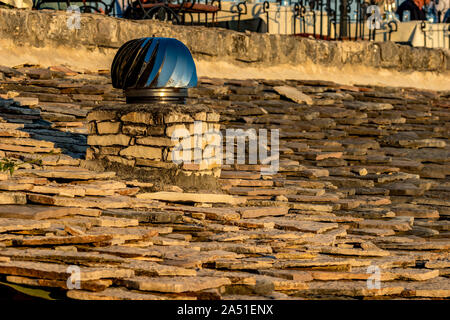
[{"x": 363, "y": 181}]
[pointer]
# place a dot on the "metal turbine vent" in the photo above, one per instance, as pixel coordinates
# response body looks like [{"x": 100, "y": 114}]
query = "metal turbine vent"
[{"x": 154, "y": 70}]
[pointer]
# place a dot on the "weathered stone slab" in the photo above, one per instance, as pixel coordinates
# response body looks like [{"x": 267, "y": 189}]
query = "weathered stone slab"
[
  {"x": 119, "y": 235},
  {"x": 174, "y": 285},
  {"x": 415, "y": 211},
  {"x": 55, "y": 240},
  {"x": 138, "y": 117},
  {"x": 240, "y": 175},
  {"x": 248, "y": 213},
  {"x": 243, "y": 264},
  {"x": 295, "y": 255},
  {"x": 410, "y": 274},
  {"x": 157, "y": 216},
  {"x": 426, "y": 245},
  {"x": 28, "y": 149},
  {"x": 61, "y": 256},
  {"x": 92, "y": 285},
  {"x": 115, "y": 294},
  {"x": 190, "y": 197},
  {"x": 142, "y": 152},
  {"x": 306, "y": 198},
  {"x": 61, "y": 190},
  {"x": 60, "y": 272},
  {"x": 350, "y": 289},
  {"x": 435, "y": 288},
  {"x": 86, "y": 202},
  {"x": 189, "y": 258},
  {"x": 152, "y": 269},
  {"x": 109, "y": 140},
  {"x": 293, "y": 94},
  {"x": 354, "y": 252},
  {"x": 221, "y": 214},
  {"x": 36, "y": 212},
  {"x": 125, "y": 251},
  {"x": 12, "y": 198},
  {"x": 372, "y": 232},
  {"x": 253, "y": 224},
  {"x": 395, "y": 225},
  {"x": 288, "y": 274},
  {"x": 245, "y": 248},
  {"x": 166, "y": 241},
  {"x": 249, "y": 191},
  {"x": 229, "y": 236},
  {"x": 438, "y": 264},
  {"x": 310, "y": 207},
  {"x": 299, "y": 225},
  {"x": 73, "y": 174},
  {"x": 115, "y": 222},
  {"x": 337, "y": 275},
  {"x": 21, "y": 224},
  {"x": 320, "y": 263},
  {"x": 13, "y": 186}
]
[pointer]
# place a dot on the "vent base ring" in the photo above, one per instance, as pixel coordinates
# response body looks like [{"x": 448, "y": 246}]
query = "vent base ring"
[{"x": 152, "y": 95}]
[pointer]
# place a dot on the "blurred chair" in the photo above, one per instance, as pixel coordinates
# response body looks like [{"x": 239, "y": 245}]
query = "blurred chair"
[
  {"x": 85, "y": 6},
  {"x": 172, "y": 10}
]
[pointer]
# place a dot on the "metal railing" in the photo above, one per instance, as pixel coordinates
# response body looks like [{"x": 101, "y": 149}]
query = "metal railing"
[
  {"x": 444, "y": 31},
  {"x": 319, "y": 19},
  {"x": 332, "y": 19}
]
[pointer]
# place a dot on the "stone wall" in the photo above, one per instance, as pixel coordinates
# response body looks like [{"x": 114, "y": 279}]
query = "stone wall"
[
  {"x": 154, "y": 136},
  {"x": 49, "y": 29}
]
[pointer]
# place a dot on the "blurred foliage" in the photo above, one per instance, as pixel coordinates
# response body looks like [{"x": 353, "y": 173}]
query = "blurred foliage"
[{"x": 10, "y": 165}]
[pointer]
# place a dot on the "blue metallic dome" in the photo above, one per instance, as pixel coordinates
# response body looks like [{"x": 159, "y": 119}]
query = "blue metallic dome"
[{"x": 156, "y": 65}]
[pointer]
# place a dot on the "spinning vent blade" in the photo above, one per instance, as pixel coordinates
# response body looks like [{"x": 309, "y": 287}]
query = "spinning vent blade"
[{"x": 154, "y": 69}]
